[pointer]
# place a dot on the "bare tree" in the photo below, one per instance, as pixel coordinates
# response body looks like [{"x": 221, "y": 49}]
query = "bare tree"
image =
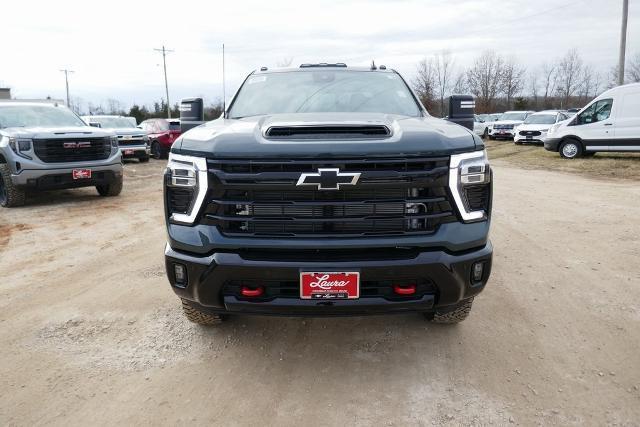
[
  {"x": 424, "y": 83},
  {"x": 284, "y": 62},
  {"x": 113, "y": 106},
  {"x": 460, "y": 83},
  {"x": 633, "y": 69},
  {"x": 550, "y": 80},
  {"x": 569, "y": 75},
  {"x": 589, "y": 84},
  {"x": 533, "y": 85},
  {"x": 512, "y": 81},
  {"x": 443, "y": 62},
  {"x": 484, "y": 79}
]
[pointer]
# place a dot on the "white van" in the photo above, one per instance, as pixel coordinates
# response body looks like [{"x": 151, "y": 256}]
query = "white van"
[{"x": 611, "y": 122}]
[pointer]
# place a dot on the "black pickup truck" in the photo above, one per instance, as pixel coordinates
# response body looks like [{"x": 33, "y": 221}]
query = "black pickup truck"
[{"x": 327, "y": 190}]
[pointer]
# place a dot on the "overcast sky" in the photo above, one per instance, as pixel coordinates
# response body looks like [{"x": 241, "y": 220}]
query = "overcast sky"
[{"x": 110, "y": 44}]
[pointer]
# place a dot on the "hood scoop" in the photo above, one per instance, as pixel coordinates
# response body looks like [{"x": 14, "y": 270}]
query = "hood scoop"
[{"x": 328, "y": 132}]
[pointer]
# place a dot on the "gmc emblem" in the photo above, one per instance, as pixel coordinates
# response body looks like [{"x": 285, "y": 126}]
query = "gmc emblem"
[{"x": 82, "y": 144}]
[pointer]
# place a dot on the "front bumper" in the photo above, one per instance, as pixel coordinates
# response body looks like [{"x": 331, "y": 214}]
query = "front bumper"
[
  {"x": 500, "y": 134},
  {"x": 135, "y": 152},
  {"x": 208, "y": 277},
  {"x": 58, "y": 178},
  {"x": 551, "y": 144},
  {"x": 538, "y": 139}
]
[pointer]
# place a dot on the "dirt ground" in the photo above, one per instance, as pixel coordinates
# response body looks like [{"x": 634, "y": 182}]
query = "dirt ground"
[{"x": 91, "y": 333}]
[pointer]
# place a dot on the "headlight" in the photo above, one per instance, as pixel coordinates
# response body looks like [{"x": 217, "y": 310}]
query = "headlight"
[
  {"x": 470, "y": 184},
  {"x": 553, "y": 128},
  {"x": 186, "y": 184},
  {"x": 22, "y": 147},
  {"x": 114, "y": 141}
]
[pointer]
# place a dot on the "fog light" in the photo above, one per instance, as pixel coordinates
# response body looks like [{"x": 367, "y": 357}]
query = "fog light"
[
  {"x": 180, "y": 273},
  {"x": 477, "y": 271}
]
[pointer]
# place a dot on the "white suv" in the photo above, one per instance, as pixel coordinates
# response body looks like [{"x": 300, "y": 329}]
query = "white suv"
[
  {"x": 535, "y": 127},
  {"x": 504, "y": 127}
]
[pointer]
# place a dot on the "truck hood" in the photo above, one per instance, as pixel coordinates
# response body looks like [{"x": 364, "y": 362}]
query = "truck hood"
[
  {"x": 56, "y": 132},
  {"x": 245, "y": 138},
  {"x": 127, "y": 131}
]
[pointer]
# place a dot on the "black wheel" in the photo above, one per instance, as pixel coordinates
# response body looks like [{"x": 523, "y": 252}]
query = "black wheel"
[
  {"x": 517, "y": 142},
  {"x": 454, "y": 314},
  {"x": 10, "y": 195},
  {"x": 200, "y": 317},
  {"x": 570, "y": 149},
  {"x": 156, "y": 152},
  {"x": 110, "y": 190},
  {"x": 144, "y": 159},
  {"x": 491, "y": 138}
]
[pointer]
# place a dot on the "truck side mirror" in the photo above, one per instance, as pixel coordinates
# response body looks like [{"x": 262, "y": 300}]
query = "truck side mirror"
[
  {"x": 191, "y": 113},
  {"x": 462, "y": 110}
]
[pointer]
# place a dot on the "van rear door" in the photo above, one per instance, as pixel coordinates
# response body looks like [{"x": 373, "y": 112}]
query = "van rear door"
[{"x": 626, "y": 122}]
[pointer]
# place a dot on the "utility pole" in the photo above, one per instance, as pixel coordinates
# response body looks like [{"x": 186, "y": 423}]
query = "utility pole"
[
  {"x": 166, "y": 84},
  {"x": 623, "y": 41},
  {"x": 66, "y": 81}
]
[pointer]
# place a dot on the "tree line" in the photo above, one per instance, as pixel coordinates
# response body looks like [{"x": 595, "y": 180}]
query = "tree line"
[{"x": 501, "y": 83}]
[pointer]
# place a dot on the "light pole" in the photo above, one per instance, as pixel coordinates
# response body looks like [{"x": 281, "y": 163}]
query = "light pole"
[
  {"x": 166, "y": 84},
  {"x": 66, "y": 81},
  {"x": 623, "y": 41}
]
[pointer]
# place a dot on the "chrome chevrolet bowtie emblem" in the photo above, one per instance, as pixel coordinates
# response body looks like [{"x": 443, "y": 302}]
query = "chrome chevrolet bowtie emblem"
[{"x": 329, "y": 179}]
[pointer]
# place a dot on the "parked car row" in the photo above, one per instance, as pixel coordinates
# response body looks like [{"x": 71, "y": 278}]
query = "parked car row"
[{"x": 611, "y": 122}]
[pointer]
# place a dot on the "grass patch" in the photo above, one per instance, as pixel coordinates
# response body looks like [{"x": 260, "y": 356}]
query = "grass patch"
[{"x": 602, "y": 165}]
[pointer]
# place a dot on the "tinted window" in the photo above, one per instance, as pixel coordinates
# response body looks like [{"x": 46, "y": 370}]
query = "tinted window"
[
  {"x": 324, "y": 91},
  {"x": 596, "y": 112},
  {"x": 513, "y": 116}
]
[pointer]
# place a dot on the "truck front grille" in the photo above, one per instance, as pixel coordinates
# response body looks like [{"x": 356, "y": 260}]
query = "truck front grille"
[
  {"x": 392, "y": 197},
  {"x": 62, "y": 150}
]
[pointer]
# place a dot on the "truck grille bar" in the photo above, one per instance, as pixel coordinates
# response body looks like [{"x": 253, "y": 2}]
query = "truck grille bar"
[
  {"x": 61, "y": 150},
  {"x": 393, "y": 197}
]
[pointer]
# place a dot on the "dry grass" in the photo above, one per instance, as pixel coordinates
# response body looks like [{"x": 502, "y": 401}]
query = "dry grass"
[{"x": 609, "y": 165}]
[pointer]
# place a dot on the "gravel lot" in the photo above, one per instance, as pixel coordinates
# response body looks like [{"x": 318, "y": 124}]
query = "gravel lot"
[{"x": 91, "y": 334}]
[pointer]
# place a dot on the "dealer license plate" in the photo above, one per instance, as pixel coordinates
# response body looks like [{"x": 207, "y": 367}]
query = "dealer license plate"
[
  {"x": 128, "y": 152},
  {"x": 81, "y": 173},
  {"x": 329, "y": 285}
]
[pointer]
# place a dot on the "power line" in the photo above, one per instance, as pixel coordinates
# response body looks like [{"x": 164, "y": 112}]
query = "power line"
[
  {"x": 166, "y": 84},
  {"x": 66, "y": 81}
]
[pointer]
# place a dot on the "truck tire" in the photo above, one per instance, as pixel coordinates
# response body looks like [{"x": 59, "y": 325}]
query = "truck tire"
[
  {"x": 10, "y": 195},
  {"x": 455, "y": 315},
  {"x": 156, "y": 152},
  {"x": 200, "y": 317},
  {"x": 144, "y": 159},
  {"x": 110, "y": 190},
  {"x": 570, "y": 149}
]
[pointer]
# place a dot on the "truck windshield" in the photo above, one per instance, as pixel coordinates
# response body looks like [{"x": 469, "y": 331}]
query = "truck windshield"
[
  {"x": 323, "y": 91},
  {"x": 112, "y": 122},
  {"x": 541, "y": 119},
  {"x": 37, "y": 116}
]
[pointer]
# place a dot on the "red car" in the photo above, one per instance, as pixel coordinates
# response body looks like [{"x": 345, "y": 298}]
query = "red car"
[{"x": 162, "y": 133}]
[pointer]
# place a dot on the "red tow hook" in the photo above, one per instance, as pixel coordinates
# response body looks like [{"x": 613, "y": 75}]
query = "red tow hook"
[
  {"x": 251, "y": 292},
  {"x": 404, "y": 289}
]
